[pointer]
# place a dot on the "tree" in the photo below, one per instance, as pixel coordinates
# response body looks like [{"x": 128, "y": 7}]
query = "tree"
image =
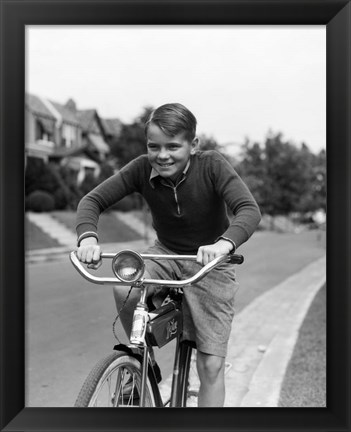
[
  {"x": 316, "y": 198},
  {"x": 131, "y": 142},
  {"x": 207, "y": 143},
  {"x": 282, "y": 177},
  {"x": 252, "y": 169},
  {"x": 287, "y": 176}
]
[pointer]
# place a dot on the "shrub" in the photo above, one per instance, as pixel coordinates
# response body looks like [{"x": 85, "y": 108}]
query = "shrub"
[
  {"x": 88, "y": 184},
  {"x": 69, "y": 177},
  {"x": 61, "y": 197},
  {"x": 40, "y": 201}
]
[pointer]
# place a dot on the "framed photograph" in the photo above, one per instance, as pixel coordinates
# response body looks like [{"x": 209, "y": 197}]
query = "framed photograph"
[{"x": 20, "y": 412}]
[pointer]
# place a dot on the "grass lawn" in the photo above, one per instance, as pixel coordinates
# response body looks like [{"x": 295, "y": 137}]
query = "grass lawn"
[
  {"x": 305, "y": 381},
  {"x": 35, "y": 238}
]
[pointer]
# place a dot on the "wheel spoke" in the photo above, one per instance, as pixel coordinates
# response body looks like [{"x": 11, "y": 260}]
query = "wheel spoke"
[
  {"x": 109, "y": 390},
  {"x": 119, "y": 386}
]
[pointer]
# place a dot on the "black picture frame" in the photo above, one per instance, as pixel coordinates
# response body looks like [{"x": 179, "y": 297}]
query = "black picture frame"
[{"x": 15, "y": 15}]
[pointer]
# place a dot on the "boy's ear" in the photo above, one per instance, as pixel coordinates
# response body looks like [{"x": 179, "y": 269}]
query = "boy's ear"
[{"x": 194, "y": 145}]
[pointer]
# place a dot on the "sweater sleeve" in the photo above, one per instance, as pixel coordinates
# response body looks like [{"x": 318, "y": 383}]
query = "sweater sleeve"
[
  {"x": 105, "y": 195},
  {"x": 246, "y": 213}
]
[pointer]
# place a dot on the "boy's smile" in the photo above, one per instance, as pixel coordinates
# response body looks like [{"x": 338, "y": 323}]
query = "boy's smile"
[{"x": 168, "y": 155}]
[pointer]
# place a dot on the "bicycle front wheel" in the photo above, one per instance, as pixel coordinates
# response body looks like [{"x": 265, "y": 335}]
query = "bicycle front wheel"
[{"x": 115, "y": 382}]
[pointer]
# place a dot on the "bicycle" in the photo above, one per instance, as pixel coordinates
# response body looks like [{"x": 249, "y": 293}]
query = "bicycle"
[{"x": 128, "y": 377}]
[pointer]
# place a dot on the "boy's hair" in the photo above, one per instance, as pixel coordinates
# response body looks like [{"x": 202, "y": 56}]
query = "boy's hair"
[{"x": 172, "y": 119}]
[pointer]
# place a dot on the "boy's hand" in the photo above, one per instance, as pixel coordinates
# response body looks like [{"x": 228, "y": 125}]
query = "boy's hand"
[
  {"x": 208, "y": 253},
  {"x": 89, "y": 252}
]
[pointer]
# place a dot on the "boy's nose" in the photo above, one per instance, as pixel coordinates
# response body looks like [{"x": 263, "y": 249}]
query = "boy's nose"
[{"x": 163, "y": 154}]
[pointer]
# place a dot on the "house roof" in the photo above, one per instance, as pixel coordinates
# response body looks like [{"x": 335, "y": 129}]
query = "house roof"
[
  {"x": 47, "y": 124},
  {"x": 86, "y": 117},
  {"x": 112, "y": 126},
  {"x": 98, "y": 142},
  {"x": 68, "y": 115},
  {"x": 37, "y": 107}
]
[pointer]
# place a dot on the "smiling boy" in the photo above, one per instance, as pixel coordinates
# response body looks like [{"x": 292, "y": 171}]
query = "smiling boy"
[{"x": 188, "y": 193}]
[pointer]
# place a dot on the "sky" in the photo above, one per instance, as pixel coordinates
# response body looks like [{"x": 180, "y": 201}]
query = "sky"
[{"x": 239, "y": 81}]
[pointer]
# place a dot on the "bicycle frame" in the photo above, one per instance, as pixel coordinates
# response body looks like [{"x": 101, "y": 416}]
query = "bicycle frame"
[{"x": 142, "y": 350}]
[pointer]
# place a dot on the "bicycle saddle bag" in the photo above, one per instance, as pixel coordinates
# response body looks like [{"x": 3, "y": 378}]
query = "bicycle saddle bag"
[{"x": 164, "y": 325}]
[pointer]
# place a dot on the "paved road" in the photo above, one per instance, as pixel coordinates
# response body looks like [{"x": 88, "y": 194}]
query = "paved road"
[{"x": 69, "y": 321}]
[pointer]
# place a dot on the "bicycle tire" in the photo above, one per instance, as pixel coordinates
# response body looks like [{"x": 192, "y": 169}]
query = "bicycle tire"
[
  {"x": 115, "y": 381},
  {"x": 184, "y": 368}
]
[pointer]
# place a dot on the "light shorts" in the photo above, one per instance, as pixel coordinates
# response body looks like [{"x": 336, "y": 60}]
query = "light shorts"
[{"x": 208, "y": 305}]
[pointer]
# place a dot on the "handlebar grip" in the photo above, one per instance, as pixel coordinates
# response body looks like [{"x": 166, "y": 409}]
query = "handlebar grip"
[{"x": 236, "y": 259}]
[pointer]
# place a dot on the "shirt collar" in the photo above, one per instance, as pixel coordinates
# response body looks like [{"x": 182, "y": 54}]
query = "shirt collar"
[{"x": 155, "y": 174}]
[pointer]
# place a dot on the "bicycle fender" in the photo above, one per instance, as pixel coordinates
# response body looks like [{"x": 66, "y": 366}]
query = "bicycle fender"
[{"x": 133, "y": 351}]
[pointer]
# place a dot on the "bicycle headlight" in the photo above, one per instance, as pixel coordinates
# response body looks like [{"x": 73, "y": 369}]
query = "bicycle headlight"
[{"x": 128, "y": 266}]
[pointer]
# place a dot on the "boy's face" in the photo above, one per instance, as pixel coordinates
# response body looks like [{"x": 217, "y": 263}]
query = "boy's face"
[{"x": 168, "y": 155}]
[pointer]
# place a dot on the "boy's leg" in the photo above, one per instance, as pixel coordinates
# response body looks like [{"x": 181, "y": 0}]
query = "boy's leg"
[
  {"x": 211, "y": 373},
  {"x": 208, "y": 316}
]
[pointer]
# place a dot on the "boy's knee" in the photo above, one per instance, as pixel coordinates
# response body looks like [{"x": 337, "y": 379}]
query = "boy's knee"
[{"x": 210, "y": 366}]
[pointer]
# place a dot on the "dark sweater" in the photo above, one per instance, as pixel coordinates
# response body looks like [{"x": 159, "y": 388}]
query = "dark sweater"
[{"x": 188, "y": 215}]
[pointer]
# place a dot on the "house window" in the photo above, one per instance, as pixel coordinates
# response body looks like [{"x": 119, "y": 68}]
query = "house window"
[
  {"x": 41, "y": 131},
  {"x": 68, "y": 135}
]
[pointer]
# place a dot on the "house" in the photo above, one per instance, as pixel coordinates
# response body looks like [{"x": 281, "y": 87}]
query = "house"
[
  {"x": 65, "y": 135},
  {"x": 40, "y": 128},
  {"x": 92, "y": 148},
  {"x": 93, "y": 134},
  {"x": 113, "y": 128}
]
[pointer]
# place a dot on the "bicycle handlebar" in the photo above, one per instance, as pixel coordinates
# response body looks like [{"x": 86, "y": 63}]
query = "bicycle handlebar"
[{"x": 230, "y": 258}]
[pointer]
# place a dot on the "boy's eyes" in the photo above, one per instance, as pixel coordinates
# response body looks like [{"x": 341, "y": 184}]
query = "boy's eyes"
[{"x": 169, "y": 147}]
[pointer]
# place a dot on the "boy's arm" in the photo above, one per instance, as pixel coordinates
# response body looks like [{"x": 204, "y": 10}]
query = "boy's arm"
[
  {"x": 240, "y": 201},
  {"x": 88, "y": 212},
  {"x": 236, "y": 194},
  {"x": 95, "y": 202}
]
